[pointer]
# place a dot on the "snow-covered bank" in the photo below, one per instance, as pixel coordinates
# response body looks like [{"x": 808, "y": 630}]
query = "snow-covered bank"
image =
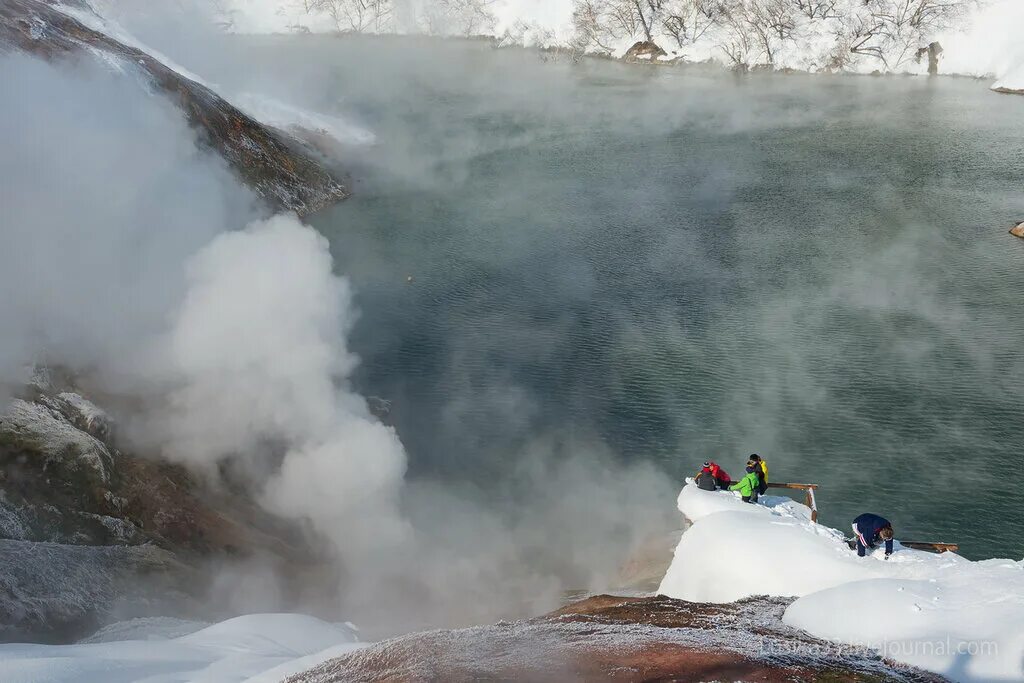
[
  {"x": 943, "y": 613},
  {"x": 257, "y": 648},
  {"x": 842, "y": 35}
]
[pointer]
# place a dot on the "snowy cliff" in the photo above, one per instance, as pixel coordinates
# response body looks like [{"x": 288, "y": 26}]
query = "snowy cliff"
[
  {"x": 943, "y": 613},
  {"x": 275, "y": 163}
]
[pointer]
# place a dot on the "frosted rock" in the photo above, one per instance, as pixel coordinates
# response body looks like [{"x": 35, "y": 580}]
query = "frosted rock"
[{"x": 44, "y": 431}]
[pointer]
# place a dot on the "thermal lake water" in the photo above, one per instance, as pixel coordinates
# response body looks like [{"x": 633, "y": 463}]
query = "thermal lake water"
[{"x": 678, "y": 264}]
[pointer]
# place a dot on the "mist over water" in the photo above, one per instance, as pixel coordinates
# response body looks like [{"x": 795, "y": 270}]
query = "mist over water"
[
  {"x": 680, "y": 265},
  {"x": 575, "y": 283}
]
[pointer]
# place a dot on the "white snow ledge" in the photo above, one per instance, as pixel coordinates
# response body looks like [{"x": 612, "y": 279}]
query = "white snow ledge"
[{"x": 944, "y": 613}]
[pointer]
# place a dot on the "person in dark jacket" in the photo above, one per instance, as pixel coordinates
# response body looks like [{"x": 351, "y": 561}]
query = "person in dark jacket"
[
  {"x": 706, "y": 481},
  {"x": 712, "y": 477},
  {"x": 761, "y": 468},
  {"x": 868, "y": 529}
]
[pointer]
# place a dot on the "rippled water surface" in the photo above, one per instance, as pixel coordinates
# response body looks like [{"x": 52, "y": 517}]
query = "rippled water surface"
[{"x": 679, "y": 265}]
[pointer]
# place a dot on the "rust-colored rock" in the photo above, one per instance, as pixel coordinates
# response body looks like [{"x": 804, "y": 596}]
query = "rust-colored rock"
[
  {"x": 1018, "y": 230},
  {"x": 643, "y": 50},
  {"x": 621, "y": 639}
]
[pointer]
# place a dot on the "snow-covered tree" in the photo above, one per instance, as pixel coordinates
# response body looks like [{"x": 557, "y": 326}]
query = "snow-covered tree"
[
  {"x": 817, "y": 9},
  {"x": 602, "y": 23},
  {"x": 457, "y": 17},
  {"x": 892, "y": 31},
  {"x": 355, "y": 16},
  {"x": 686, "y": 21}
]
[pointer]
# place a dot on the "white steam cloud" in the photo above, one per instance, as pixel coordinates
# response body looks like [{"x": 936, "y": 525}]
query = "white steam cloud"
[
  {"x": 258, "y": 348},
  {"x": 95, "y": 223},
  {"x": 129, "y": 256}
]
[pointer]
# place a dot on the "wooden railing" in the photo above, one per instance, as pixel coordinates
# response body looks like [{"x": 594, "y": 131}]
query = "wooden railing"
[
  {"x": 812, "y": 503},
  {"x": 809, "y": 499},
  {"x": 934, "y": 547}
]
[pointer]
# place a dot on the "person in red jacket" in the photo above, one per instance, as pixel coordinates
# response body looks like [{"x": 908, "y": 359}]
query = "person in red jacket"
[{"x": 711, "y": 475}]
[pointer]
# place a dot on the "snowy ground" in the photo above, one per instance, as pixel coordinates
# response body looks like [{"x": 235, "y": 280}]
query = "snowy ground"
[
  {"x": 258, "y": 648},
  {"x": 943, "y": 613}
]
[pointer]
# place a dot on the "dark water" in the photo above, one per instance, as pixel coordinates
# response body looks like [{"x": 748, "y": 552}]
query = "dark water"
[{"x": 675, "y": 266}]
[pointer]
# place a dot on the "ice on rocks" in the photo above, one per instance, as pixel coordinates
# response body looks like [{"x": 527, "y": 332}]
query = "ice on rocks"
[{"x": 43, "y": 429}]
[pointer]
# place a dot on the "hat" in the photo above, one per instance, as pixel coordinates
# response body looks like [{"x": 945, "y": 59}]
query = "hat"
[{"x": 707, "y": 464}]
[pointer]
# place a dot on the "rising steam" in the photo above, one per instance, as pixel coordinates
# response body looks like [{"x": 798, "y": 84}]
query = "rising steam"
[{"x": 138, "y": 260}]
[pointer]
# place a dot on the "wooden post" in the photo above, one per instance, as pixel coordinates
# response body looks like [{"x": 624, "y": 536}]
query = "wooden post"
[
  {"x": 811, "y": 502},
  {"x": 809, "y": 498}
]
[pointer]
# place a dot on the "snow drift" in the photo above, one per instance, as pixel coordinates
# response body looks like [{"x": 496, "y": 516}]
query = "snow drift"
[
  {"x": 943, "y": 613},
  {"x": 256, "y": 648}
]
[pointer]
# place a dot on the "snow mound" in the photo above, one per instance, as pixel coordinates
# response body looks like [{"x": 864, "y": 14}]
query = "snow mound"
[
  {"x": 291, "y": 635},
  {"x": 1013, "y": 81},
  {"x": 145, "y": 628},
  {"x": 256, "y": 648},
  {"x": 944, "y": 613},
  {"x": 696, "y": 504}
]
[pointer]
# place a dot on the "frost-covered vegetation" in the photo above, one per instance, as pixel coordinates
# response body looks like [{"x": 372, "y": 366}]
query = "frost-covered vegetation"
[
  {"x": 830, "y": 35},
  {"x": 890, "y": 36}
]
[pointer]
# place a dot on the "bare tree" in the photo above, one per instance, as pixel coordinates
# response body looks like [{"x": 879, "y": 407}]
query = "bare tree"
[
  {"x": 893, "y": 31},
  {"x": 355, "y": 16},
  {"x": 817, "y": 9},
  {"x": 603, "y": 22},
  {"x": 772, "y": 17},
  {"x": 592, "y": 26},
  {"x": 647, "y": 15},
  {"x": 686, "y": 21},
  {"x": 736, "y": 41},
  {"x": 751, "y": 31},
  {"x": 458, "y": 17},
  {"x": 756, "y": 29}
]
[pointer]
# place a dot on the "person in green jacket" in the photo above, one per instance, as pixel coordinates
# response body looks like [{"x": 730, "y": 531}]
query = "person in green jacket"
[{"x": 747, "y": 486}]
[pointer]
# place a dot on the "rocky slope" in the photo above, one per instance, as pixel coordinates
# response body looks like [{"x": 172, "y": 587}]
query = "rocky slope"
[
  {"x": 284, "y": 172},
  {"x": 88, "y": 532},
  {"x": 622, "y": 639}
]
